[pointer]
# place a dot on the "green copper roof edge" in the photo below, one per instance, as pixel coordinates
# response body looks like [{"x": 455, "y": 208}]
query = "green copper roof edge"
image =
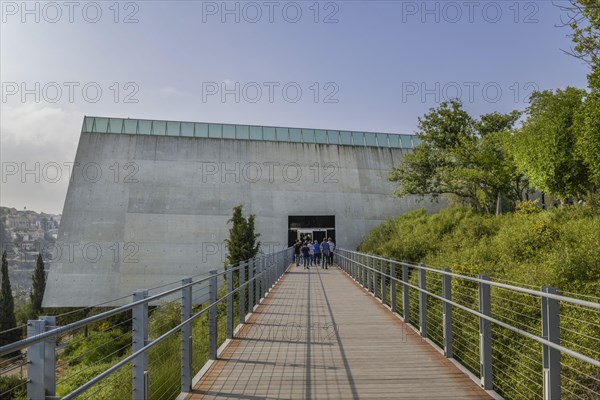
[{"x": 122, "y": 130}]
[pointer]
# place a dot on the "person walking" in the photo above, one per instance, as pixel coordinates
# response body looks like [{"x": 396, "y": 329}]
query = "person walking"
[
  {"x": 325, "y": 252},
  {"x": 331, "y": 250},
  {"x": 317, "y": 250},
  {"x": 305, "y": 255},
  {"x": 311, "y": 252},
  {"x": 297, "y": 246}
]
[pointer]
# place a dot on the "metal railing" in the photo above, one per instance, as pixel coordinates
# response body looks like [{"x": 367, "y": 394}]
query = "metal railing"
[
  {"x": 519, "y": 342},
  {"x": 246, "y": 284}
]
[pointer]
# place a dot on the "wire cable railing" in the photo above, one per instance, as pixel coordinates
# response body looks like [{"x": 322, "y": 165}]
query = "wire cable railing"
[
  {"x": 150, "y": 348},
  {"x": 514, "y": 340}
]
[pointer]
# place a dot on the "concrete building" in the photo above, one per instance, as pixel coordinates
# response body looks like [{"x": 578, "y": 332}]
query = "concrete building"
[{"x": 149, "y": 201}]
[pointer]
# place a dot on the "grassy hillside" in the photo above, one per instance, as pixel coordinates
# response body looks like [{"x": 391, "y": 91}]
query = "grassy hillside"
[
  {"x": 560, "y": 248},
  {"x": 531, "y": 248}
]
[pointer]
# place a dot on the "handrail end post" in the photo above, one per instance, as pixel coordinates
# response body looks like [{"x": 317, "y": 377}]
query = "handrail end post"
[
  {"x": 447, "y": 316},
  {"x": 186, "y": 336},
  {"x": 551, "y": 332},
  {"x": 485, "y": 334},
  {"x": 139, "y": 338},
  {"x": 212, "y": 316}
]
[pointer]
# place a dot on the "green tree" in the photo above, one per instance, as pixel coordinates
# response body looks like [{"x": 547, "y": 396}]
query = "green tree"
[
  {"x": 587, "y": 128},
  {"x": 39, "y": 286},
  {"x": 428, "y": 169},
  {"x": 583, "y": 16},
  {"x": 243, "y": 242},
  {"x": 461, "y": 156},
  {"x": 7, "y": 308},
  {"x": 544, "y": 148}
]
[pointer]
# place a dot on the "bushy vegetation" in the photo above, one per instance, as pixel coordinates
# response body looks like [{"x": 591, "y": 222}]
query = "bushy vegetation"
[
  {"x": 556, "y": 248},
  {"x": 13, "y": 387},
  {"x": 530, "y": 247},
  {"x": 88, "y": 354}
]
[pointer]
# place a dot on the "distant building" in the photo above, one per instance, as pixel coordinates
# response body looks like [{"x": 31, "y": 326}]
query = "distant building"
[{"x": 19, "y": 222}]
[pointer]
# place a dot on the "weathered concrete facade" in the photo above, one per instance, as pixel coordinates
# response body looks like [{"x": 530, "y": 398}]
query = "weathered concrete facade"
[{"x": 145, "y": 210}]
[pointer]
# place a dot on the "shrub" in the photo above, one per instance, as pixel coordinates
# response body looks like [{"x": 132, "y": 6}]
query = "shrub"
[{"x": 13, "y": 387}]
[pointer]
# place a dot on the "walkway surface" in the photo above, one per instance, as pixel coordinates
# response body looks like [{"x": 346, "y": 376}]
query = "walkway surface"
[{"x": 319, "y": 335}]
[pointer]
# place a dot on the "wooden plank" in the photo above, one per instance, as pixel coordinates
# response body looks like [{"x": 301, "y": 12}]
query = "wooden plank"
[{"x": 319, "y": 335}]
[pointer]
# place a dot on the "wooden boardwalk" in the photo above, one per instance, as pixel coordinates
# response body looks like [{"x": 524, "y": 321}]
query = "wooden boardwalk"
[{"x": 318, "y": 335}]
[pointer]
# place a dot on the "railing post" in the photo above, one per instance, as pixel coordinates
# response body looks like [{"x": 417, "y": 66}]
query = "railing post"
[
  {"x": 264, "y": 276},
  {"x": 551, "y": 357},
  {"x": 230, "y": 302},
  {"x": 423, "y": 300},
  {"x": 375, "y": 267},
  {"x": 447, "y": 318},
  {"x": 485, "y": 334},
  {"x": 273, "y": 271},
  {"x": 263, "y": 282},
  {"x": 257, "y": 282},
  {"x": 242, "y": 293},
  {"x": 212, "y": 316},
  {"x": 139, "y": 339},
  {"x": 376, "y": 273},
  {"x": 364, "y": 271},
  {"x": 393, "y": 285},
  {"x": 267, "y": 271},
  {"x": 35, "y": 361},
  {"x": 348, "y": 263},
  {"x": 369, "y": 275},
  {"x": 383, "y": 284},
  {"x": 49, "y": 358},
  {"x": 251, "y": 285},
  {"x": 405, "y": 297},
  {"x": 186, "y": 337}
]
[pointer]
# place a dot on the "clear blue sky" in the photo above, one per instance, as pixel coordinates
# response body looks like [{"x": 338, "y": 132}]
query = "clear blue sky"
[{"x": 375, "y": 58}]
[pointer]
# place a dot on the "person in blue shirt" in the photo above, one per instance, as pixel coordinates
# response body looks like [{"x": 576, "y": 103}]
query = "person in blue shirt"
[
  {"x": 317, "y": 247},
  {"x": 325, "y": 252},
  {"x": 305, "y": 255}
]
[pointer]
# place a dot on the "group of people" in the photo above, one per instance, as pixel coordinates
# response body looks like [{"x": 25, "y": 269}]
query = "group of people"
[{"x": 314, "y": 253}]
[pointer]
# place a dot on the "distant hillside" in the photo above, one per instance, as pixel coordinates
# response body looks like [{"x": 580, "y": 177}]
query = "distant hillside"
[{"x": 24, "y": 234}]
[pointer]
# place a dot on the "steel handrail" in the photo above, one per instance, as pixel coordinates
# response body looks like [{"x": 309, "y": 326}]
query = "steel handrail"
[
  {"x": 492, "y": 283},
  {"x": 12, "y": 347},
  {"x": 539, "y": 339},
  {"x": 159, "y": 339}
]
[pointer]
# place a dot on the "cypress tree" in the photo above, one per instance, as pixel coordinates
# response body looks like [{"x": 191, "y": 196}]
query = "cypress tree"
[
  {"x": 242, "y": 243},
  {"x": 39, "y": 286},
  {"x": 7, "y": 308}
]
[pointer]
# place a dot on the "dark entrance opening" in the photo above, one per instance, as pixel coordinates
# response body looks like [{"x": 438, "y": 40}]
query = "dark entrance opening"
[{"x": 310, "y": 226}]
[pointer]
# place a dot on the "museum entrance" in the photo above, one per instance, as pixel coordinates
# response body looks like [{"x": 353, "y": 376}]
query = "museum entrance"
[{"x": 311, "y": 227}]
